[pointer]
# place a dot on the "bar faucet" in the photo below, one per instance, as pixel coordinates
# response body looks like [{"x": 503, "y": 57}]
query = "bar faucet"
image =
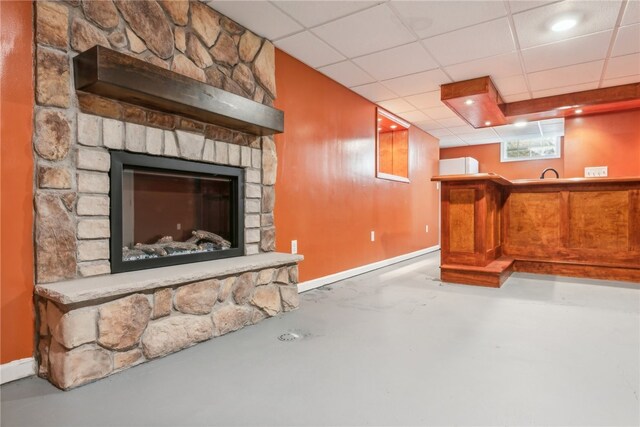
[{"x": 547, "y": 170}]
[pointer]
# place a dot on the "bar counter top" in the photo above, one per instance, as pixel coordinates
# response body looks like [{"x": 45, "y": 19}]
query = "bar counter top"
[{"x": 547, "y": 181}]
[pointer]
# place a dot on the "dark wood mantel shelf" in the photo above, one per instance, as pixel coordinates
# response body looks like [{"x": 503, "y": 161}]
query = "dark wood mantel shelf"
[{"x": 114, "y": 75}]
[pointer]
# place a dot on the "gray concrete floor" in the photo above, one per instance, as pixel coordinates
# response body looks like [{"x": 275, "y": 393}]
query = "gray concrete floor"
[{"x": 391, "y": 347}]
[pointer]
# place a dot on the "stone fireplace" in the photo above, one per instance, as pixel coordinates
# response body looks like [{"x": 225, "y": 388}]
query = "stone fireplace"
[{"x": 99, "y": 212}]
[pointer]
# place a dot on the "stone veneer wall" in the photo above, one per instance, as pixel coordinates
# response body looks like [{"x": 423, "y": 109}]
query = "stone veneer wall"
[
  {"x": 74, "y": 131},
  {"x": 78, "y": 345}
]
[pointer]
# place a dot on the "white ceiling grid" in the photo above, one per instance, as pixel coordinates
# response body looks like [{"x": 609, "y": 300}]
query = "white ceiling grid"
[{"x": 398, "y": 53}]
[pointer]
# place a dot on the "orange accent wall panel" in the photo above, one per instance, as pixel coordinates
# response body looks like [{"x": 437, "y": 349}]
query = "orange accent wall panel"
[
  {"x": 16, "y": 180},
  {"x": 610, "y": 139},
  {"x": 328, "y": 198}
]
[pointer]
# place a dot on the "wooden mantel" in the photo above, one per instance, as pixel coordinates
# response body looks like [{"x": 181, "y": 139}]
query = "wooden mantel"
[
  {"x": 114, "y": 75},
  {"x": 583, "y": 227}
]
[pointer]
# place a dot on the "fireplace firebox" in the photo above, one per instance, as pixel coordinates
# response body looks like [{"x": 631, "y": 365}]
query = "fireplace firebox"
[{"x": 169, "y": 211}]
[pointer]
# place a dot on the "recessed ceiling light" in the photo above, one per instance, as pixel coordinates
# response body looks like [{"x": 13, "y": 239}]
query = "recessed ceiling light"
[
  {"x": 379, "y": 128},
  {"x": 393, "y": 126},
  {"x": 379, "y": 119},
  {"x": 578, "y": 111},
  {"x": 487, "y": 123},
  {"x": 520, "y": 124},
  {"x": 469, "y": 101},
  {"x": 564, "y": 25}
]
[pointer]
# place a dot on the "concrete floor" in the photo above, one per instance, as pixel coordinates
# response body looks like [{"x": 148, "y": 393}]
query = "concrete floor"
[{"x": 391, "y": 347}]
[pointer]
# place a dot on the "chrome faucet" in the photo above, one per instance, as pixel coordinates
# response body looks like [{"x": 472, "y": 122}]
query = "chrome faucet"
[{"x": 547, "y": 170}]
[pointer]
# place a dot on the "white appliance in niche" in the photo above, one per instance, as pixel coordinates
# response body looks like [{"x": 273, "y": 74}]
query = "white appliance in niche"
[{"x": 459, "y": 166}]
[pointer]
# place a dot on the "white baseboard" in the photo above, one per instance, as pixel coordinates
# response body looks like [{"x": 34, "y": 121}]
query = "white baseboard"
[
  {"x": 17, "y": 369},
  {"x": 332, "y": 278}
]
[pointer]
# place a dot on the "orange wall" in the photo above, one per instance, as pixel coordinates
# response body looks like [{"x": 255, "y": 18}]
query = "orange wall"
[
  {"x": 328, "y": 197},
  {"x": 610, "y": 139},
  {"x": 16, "y": 181},
  {"x": 488, "y": 156}
]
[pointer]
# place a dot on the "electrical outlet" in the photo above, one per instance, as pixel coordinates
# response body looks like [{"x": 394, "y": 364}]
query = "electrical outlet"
[
  {"x": 294, "y": 246},
  {"x": 426, "y": 228},
  {"x": 373, "y": 236},
  {"x": 596, "y": 172},
  {"x": 178, "y": 226}
]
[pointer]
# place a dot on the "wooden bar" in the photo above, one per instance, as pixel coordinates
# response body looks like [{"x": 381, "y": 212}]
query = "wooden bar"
[
  {"x": 582, "y": 227},
  {"x": 114, "y": 75}
]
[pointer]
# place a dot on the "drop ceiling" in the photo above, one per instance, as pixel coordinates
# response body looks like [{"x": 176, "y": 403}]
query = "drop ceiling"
[{"x": 398, "y": 53}]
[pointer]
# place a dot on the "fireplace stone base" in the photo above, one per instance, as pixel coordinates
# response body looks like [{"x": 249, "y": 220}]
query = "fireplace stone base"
[{"x": 91, "y": 328}]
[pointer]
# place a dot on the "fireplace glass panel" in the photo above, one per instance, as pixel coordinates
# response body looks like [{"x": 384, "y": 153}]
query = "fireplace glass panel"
[{"x": 167, "y": 213}]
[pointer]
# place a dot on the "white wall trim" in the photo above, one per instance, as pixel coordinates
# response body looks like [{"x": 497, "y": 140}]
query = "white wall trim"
[
  {"x": 332, "y": 278},
  {"x": 17, "y": 369}
]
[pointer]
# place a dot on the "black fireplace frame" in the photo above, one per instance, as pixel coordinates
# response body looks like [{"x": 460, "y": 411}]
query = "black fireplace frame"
[{"x": 120, "y": 159}]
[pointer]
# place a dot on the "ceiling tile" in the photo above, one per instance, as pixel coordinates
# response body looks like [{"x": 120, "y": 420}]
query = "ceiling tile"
[
  {"x": 346, "y": 74},
  {"x": 454, "y": 141},
  {"x": 428, "y": 125},
  {"x": 440, "y": 133},
  {"x": 261, "y": 17},
  {"x": 365, "y": 32},
  {"x": 312, "y": 13},
  {"x": 477, "y": 133},
  {"x": 417, "y": 83},
  {"x": 397, "y": 106},
  {"x": 566, "y": 76},
  {"x": 621, "y": 66},
  {"x": 441, "y": 112},
  {"x": 398, "y": 61},
  {"x": 414, "y": 116},
  {"x": 461, "y": 130},
  {"x": 521, "y": 5},
  {"x": 552, "y": 130},
  {"x": 453, "y": 122},
  {"x": 565, "y": 89},
  {"x": 425, "y": 100},
  {"x": 621, "y": 81},
  {"x": 495, "y": 66},
  {"x": 533, "y": 27},
  {"x": 567, "y": 52},
  {"x": 309, "y": 49},
  {"x": 374, "y": 92},
  {"x": 517, "y": 97},
  {"x": 631, "y": 13},
  {"x": 510, "y": 131},
  {"x": 481, "y": 140},
  {"x": 464, "y": 45},
  {"x": 511, "y": 85},
  {"x": 627, "y": 40},
  {"x": 430, "y": 18}
]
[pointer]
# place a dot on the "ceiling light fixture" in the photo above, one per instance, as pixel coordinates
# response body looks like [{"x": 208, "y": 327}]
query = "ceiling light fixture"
[
  {"x": 469, "y": 101},
  {"x": 520, "y": 124},
  {"x": 379, "y": 120},
  {"x": 487, "y": 123},
  {"x": 379, "y": 128},
  {"x": 578, "y": 111},
  {"x": 393, "y": 126},
  {"x": 563, "y": 25},
  {"x": 565, "y": 107}
]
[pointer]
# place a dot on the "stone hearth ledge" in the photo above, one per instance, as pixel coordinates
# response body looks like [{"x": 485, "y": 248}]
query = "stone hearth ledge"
[{"x": 79, "y": 291}]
